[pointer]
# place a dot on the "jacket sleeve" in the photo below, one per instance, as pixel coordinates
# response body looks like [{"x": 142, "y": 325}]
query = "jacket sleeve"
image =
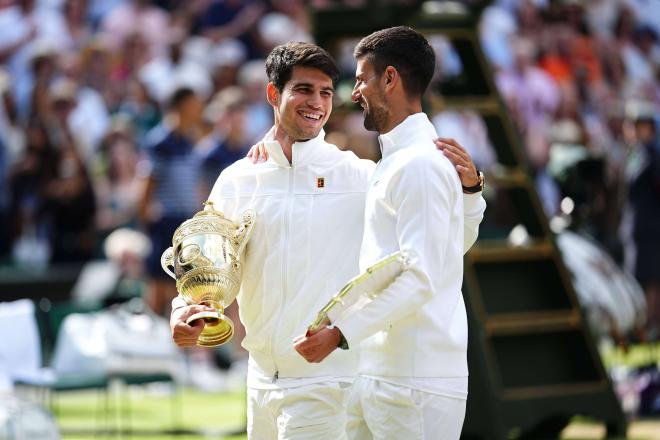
[
  {"x": 474, "y": 207},
  {"x": 422, "y": 196}
]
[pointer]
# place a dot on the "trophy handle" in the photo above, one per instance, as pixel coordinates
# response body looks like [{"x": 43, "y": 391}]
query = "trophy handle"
[
  {"x": 167, "y": 260},
  {"x": 242, "y": 234}
]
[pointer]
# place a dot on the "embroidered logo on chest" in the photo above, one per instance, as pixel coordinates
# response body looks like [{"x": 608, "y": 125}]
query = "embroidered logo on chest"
[{"x": 320, "y": 182}]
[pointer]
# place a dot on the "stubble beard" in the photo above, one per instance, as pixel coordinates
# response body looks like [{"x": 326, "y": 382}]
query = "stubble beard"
[{"x": 375, "y": 117}]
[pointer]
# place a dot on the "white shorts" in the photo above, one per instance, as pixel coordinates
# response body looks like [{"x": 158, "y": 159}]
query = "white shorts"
[
  {"x": 315, "y": 412},
  {"x": 382, "y": 411}
]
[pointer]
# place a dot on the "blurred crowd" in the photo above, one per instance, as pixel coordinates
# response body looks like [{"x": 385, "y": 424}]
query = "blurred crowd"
[
  {"x": 121, "y": 114},
  {"x": 581, "y": 79}
]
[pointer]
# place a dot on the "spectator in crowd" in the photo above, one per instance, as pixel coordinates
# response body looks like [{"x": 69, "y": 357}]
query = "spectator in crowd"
[
  {"x": 641, "y": 216},
  {"x": 140, "y": 107},
  {"x": 119, "y": 187},
  {"x": 227, "y": 143},
  {"x": 259, "y": 115},
  {"x": 163, "y": 73},
  {"x": 28, "y": 179},
  {"x": 171, "y": 192},
  {"x": 137, "y": 17},
  {"x": 70, "y": 190},
  {"x": 234, "y": 19}
]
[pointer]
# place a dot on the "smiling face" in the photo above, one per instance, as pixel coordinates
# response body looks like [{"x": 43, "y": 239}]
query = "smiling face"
[
  {"x": 304, "y": 104},
  {"x": 370, "y": 95}
]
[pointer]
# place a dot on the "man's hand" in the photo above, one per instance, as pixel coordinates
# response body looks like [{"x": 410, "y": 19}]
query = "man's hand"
[
  {"x": 258, "y": 152},
  {"x": 461, "y": 160},
  {"x": 316, "y": 347},
  {"x": 185, "y": 335}
]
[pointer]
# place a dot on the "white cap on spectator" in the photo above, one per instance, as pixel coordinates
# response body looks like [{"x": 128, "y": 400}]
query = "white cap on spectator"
[{"x": 125, "y": 241}]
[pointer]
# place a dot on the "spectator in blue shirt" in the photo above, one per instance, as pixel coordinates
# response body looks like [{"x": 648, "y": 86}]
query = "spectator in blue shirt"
[{"x": 172, "y": 189}]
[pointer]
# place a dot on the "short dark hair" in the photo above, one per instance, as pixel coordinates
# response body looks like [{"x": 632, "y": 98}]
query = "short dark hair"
[
  {"x": 283, "y": 58},
  {"x": 178, "y": 96},
  {"x": 406, "y": 50}
]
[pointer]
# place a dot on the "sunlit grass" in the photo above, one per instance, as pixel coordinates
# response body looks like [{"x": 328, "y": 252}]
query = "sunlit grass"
[{"x": 140, "y": 412}]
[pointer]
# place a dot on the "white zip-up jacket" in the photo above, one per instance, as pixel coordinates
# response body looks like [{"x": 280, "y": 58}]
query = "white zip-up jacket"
[
  {"x": 304, "y": 247},
  {"x": 417, "y": 326}
]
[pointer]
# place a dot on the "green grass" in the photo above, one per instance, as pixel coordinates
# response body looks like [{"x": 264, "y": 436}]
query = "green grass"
[{"x": 138, "y": 412}]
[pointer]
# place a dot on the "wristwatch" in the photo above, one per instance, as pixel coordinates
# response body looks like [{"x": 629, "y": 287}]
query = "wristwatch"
[
  {"x": 478, "y": 187},
  {"x": 343, "y": 343}
]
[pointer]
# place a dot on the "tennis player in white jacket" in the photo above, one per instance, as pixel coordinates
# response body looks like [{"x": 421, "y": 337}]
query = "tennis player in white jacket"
[
  {"x": 413, "y": 373},
  {"x": 309, "y": 197}
]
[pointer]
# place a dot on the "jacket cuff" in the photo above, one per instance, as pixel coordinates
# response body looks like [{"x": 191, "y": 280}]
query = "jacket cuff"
[
  {"x": 178, "y": 302},
  {"x": 473, "y": 204},
  {"x": 350, "y": 328}
]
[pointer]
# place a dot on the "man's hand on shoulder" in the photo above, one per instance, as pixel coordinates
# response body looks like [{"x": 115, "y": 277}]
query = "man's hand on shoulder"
[
  {"x": 461, "y": 160},
  {"x": 185, "y": 335},
  {"x": 258, "y": 153}
]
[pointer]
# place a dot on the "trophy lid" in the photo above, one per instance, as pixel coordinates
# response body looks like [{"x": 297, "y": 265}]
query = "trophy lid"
[
  {"x": 208, "y": 220},
  {"x": 209, "y": 210}
]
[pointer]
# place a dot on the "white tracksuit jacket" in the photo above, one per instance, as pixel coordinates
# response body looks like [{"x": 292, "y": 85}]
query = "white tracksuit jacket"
[
  {"x": 417, "y": 326},
  {"x": 304, "y": 247}
]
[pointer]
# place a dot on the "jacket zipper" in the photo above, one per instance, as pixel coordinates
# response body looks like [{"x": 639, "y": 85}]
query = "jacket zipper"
[{"x": 285, "y": 260}]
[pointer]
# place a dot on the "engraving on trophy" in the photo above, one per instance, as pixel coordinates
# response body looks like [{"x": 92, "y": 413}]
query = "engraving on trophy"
[{"x": 205, "y": 260}]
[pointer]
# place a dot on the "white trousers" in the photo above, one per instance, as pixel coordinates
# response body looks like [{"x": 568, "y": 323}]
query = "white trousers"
[
  {"x": 308, "y": 412},
  {"x": 382, "y": 411}
]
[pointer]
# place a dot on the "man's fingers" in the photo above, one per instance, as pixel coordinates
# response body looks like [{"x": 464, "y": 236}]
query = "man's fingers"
[
  {"x": 453, "y": 157},
  {"x": 456, "y": 148},
  {"x": 263, "y": 153},
  {"x": 457, "y": 151},
  {"x": 453, "y": 143},
  {"x": 185, "y": 341}
]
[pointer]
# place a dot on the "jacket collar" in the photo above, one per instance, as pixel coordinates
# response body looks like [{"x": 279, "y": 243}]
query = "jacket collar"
[
  {"x": 405, "y": 133},
  {"x": 303, "y": 152}
]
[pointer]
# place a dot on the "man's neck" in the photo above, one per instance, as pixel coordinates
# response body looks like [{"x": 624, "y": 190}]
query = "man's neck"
[
  {"x": 398, "y": 113},
  {"x": 286, "y": 142}
]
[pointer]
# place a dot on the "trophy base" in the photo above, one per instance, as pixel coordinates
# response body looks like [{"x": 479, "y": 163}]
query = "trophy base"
[{"x": 218, "y": 329}]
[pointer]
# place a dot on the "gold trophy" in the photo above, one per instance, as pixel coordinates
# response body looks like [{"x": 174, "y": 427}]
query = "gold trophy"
[
  {"x": 206, "y": 261},
  {"x": 365, "y": 286}
]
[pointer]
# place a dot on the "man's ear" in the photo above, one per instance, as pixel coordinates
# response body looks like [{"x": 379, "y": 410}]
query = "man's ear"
[
  {"x": 391, "y": 78},
  {"x": 272, "y": 95}
]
